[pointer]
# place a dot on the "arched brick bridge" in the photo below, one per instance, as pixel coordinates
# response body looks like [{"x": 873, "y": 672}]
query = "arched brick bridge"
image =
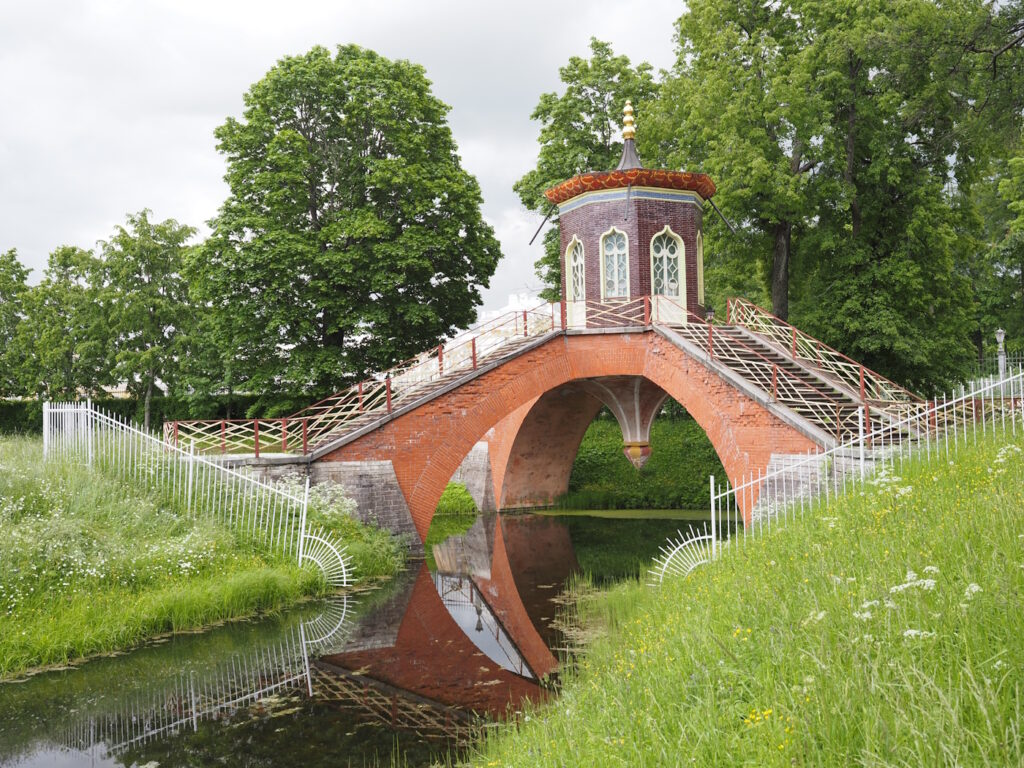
[
  {"x": 534, "y": 408},
  {"x": 508, "y": 418}
]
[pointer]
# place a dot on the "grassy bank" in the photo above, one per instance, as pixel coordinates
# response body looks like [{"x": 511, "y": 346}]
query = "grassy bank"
[
  {"x": 886, "y": 629},
  {"x": 88, "y": 564},
  {"x": 675, "y": 477}
]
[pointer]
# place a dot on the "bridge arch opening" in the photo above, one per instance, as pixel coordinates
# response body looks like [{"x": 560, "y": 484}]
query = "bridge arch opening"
[{"x": 533, "y": 451}]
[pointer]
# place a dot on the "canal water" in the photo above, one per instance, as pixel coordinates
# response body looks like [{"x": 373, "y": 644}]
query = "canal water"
[{"x": 406, "y": 673}]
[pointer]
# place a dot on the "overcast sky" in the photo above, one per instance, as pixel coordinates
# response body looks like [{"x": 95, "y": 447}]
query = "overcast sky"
[{"x": 108, "y": 107}]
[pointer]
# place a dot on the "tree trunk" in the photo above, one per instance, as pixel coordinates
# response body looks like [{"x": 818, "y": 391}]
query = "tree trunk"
[
  {"x": 979, "y": 344},
  {"x": 780, "y": 269},
  {"x": 149, "y": 399}
]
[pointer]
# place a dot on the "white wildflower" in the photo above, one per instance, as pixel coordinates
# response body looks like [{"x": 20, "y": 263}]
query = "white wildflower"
[
  {"x": 971, "y": 591},
  {"x": 862, "y": 615},
  {"x": 917, "y": 633},
  {"x": 930, "y": 569}
]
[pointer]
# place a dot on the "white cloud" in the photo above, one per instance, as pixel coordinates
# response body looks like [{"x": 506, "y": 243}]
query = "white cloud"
[{"x": 109, "y": 106}]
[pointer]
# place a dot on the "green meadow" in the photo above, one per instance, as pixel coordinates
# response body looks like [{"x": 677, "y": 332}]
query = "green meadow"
[
  {"x": 89, "y": 564},
  {"x": 886, "y": 627}
]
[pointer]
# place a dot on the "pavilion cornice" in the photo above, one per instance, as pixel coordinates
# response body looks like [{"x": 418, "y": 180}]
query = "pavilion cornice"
[{"x": 700, "y": 183}]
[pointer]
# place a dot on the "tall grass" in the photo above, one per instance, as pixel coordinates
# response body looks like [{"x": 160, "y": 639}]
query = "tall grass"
[
  {"x": 90, "y": 564},
  {"x": 886, "y": 628}
]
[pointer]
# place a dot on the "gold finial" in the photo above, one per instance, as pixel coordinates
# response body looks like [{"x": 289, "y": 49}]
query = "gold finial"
[{"x": 628, "y": 132}]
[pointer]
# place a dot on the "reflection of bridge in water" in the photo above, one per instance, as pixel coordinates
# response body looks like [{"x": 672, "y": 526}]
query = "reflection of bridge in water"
[{"x": 433, "y": 659}]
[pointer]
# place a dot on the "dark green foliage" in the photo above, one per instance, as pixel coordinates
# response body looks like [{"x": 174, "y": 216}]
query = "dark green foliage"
[
  {"x": 580, "y": 132},
  {"x": 26, "y": 416},
  {"x": 62, "y": 346},
  {"x": 145, "y": 298},
  {"x": 675, "y": 477},
  {"x": 13, "y": 288},
  {"x": 352, "y": 237}
]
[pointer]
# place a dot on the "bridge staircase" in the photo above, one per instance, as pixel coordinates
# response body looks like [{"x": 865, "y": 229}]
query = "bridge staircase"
[
  {"x": 366, "y": 405},
  {"x": 816, "y": 383}
]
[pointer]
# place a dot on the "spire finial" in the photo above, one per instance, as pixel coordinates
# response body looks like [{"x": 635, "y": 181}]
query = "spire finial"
[{"x": 628, "y": 132}]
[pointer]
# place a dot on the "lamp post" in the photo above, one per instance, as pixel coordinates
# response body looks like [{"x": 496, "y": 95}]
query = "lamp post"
[{"x": 1000, "y": 337}]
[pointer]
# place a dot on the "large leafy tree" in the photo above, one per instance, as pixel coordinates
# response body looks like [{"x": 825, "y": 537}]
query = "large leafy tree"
[
  {"x": 742, "y": 105},
  {"x": 843, "y": 137},
  {"x": 61, "y": 349},
  {"x": 12, "y": 311},
  {"x": 352, "y": 236},
  {"x": 145, "y": 297},
  {"x": 581, "y": 131}
]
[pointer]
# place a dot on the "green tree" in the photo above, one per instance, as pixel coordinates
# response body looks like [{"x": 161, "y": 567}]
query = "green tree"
[
  {"x": 13, "y": 288},
  {"x": 146, "y": 302},
  {"x": 580, "y": 131},
  {"x": 61, "y": 348},
  {"x": 352, "y": 236},
  {"x": 742, "y": 105}
]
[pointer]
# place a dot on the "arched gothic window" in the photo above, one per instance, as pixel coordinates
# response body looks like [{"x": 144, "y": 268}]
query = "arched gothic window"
[
  {"x": 577, "y": 283},
  {"x": 615, "y": 264},
  {"x": 666, "y": 262}
]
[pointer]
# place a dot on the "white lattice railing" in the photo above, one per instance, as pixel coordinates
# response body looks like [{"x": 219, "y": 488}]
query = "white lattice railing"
[
  {"x": 750, "y": 506},
  {"x": 195, "y": 485}
]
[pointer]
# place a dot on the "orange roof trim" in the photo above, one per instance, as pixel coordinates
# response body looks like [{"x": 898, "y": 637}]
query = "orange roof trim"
[{"x": 700, "y": 183}]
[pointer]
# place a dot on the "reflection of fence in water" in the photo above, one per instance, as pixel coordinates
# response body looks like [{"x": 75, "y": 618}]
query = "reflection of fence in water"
[
  {"x": 215, "y": 693},
  {"x": 460, "y": 595},
  {"x": 375, "y": 701}
]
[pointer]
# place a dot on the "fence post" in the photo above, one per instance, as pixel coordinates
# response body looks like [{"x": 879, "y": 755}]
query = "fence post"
[
  {"x": 794, "y": 343},
  {"x": 525, "y": 332},
  {"x": 360, "y": 397},
  {"x": 284, "y": 435},
  {"x": 440, "y": 358},
  {"x": 711, "y": 347},
  {"x": 302, "y": 521},
  {"x": 863, "y": 389},
  {"x": 256, "y": 433},
  {"x": 88, "y": 432},
  {"x": 387, "y": 391},
  {"x": 860, "y": 439},
  {"x": 305, "y": 436},
  {"x": 714, "y": 519},
  {"x": 223, "y": 436},
  {"x": 728, "y": 311},
  {"x": 775, "y": 382},
  {"x": 46, "y": 429},
  {"x": 191, "y": 470},
  {"x": 472, "y": 344}
]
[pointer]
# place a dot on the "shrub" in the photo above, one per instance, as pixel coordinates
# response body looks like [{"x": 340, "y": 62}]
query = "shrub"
[{"x": 456, "y": 501}]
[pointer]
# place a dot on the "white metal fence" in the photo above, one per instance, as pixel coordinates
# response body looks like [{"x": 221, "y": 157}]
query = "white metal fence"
[
  {"x": 793, "y": 484},
  {"x": 193, "y": 484}
]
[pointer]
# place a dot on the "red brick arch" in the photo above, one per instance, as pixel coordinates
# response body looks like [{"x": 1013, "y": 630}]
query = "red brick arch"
[{"x": 428, "y": 444}]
